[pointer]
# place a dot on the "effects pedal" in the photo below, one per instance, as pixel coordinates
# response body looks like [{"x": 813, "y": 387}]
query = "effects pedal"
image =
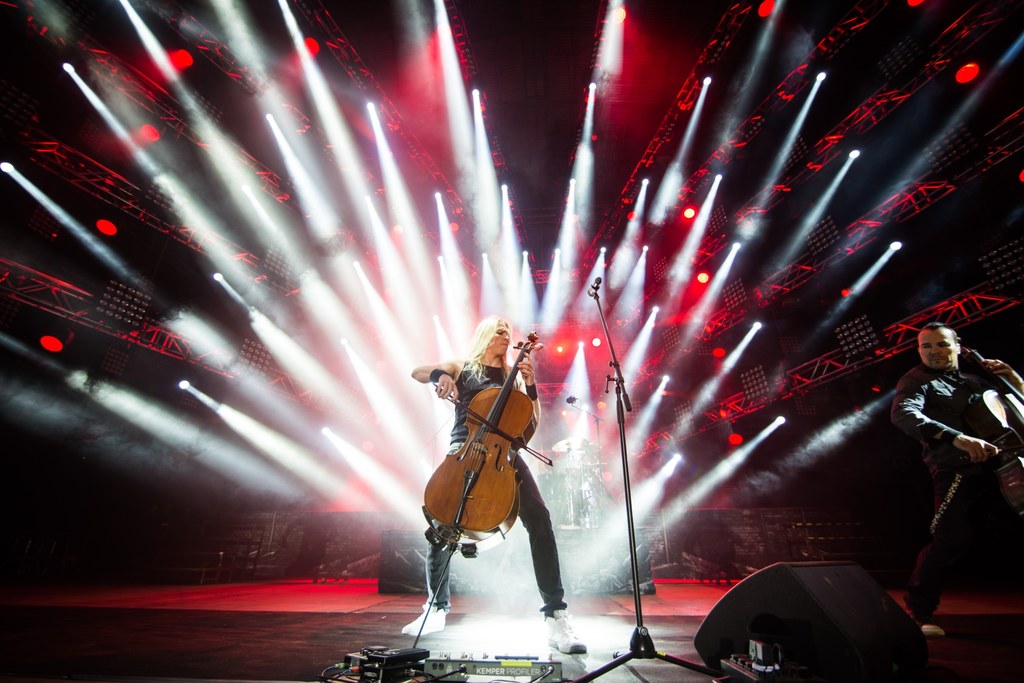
[
  {"x": 503, "y": 666},
  {"x": 386, "y": 665},
  {"x": 743, "y": 669}
]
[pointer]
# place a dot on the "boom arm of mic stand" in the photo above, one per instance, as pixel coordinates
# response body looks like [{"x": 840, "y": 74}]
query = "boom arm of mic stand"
[{"x": 584, "y": 410}]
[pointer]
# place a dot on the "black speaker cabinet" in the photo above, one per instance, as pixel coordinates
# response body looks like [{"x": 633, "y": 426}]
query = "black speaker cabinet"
[{"x": 830, "y": 617}]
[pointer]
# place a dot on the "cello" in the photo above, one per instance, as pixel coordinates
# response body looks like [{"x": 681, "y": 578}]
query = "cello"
[
  {"x": 474, "y": 493},
  {"x": 998, "y": 417}
]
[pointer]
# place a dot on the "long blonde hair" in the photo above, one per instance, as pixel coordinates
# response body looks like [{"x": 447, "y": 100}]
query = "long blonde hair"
[{"x": 482, "y": 338}]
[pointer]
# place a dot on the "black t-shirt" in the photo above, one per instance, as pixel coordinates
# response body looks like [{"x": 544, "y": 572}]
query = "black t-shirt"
[{"x": 469, "y": 386}]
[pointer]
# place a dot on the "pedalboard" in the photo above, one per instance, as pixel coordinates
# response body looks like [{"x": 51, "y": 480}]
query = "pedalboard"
[{"x": 509, "y": 666}]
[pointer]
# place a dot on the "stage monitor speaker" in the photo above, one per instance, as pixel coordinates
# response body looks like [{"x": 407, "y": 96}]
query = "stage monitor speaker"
[{"x": 830, "y": 617}]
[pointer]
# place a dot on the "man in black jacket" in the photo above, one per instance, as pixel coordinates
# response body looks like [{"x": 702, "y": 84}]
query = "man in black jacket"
[{"x": 930, "y": 405}]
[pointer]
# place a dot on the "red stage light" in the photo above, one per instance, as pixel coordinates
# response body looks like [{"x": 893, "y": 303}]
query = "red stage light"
[
  {"x": 596, "y": 341},
  {"x": 845, "y": 292},
  {"x": 312, "y": 46},
  {"x": 968, "y": 72},
  {"x": 631, "y": 215},
  {"x": 454, "y": 226},
  {"x": 149, "y": 132},
  {"x": 181, "y": 59},
  {"x": 560, "y": 348},
  {"x": 51, "y": 343},
  {"x": 914, "y": 3},
  {"x": 765, "y": 8},
  {"x": 718, "y": 352},
  {"x": 689, "y": 212},
  {"x": 703, "y": 278},
  {"x": 106, "y": 227},
  {"x": 1020, "y": 176},
  {"x": 735, "y": 439}
]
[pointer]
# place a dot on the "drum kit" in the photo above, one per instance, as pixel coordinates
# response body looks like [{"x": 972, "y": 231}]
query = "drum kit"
[{"x": 576, "y": 493}]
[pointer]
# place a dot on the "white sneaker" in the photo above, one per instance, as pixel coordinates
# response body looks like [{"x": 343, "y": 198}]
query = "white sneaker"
[
  {"x": 561, "y": 635},
  {"x": 434, "y": 621}
]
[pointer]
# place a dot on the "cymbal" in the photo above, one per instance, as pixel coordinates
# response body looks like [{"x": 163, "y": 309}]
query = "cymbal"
[{"x": 572, "y": 444}]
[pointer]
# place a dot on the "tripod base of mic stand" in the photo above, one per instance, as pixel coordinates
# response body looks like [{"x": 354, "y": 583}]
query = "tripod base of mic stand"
[{"x": 642, "y": 647}]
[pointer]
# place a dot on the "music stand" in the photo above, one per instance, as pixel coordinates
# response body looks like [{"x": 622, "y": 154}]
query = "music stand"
[{"x": 641, "y": 646}]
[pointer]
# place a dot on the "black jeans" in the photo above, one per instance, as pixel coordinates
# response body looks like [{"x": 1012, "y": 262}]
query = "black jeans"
[
  {"x": 977, "y": 494},
  {"x": 537, "y": 521}
]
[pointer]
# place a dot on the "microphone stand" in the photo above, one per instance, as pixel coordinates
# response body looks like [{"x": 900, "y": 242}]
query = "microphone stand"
[{"x": 641, "y": 646}]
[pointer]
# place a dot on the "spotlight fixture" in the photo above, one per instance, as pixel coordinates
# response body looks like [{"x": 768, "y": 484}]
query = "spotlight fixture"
[
  {"x": 1004, "y": 264},
  {"x": 857, "y": 338},
  {"x": 906, "y": 53},
  {"x": 824, "y": 235},
  {"x": 755, "y": 385},
  {"x": 115, "y": 359},
  {"x": 123, "y": 304},
  {"x": 682, "y": 417},
  {"x": 951, "y": 147},
  {"x": 734, "y": 294},
  {"x": 255, "y": 356}
]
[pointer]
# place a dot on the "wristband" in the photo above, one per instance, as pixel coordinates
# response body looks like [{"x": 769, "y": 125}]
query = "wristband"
[
  {"x": 435, "y": 375},
  {"x": 531, "y": 391}
]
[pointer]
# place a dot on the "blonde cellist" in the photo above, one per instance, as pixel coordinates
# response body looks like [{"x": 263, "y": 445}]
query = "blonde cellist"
[{"x": 485, "y": 367}]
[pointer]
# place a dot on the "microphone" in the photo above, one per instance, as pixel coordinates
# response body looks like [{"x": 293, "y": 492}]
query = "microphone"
[
  {"x": 592, "y": 292},
  {"x": 571, "y": 400}
]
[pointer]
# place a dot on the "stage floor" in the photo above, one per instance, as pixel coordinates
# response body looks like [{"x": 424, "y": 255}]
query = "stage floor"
[{"x": 294, "y": 630}]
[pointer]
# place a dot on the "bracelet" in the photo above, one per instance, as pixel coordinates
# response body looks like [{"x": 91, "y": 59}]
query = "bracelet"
[
  {"x": 435, "y": 375},
  {"x": 531, "y": 391}
]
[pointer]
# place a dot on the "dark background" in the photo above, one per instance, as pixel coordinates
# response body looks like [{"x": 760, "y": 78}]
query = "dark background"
[{"x": 83, "y": 477}]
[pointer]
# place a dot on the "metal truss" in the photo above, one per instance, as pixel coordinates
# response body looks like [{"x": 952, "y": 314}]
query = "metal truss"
[
  {"x": 1002, "y": 142},
  {"x": 966, "y": 31},
  {"x": 154, "y": 99},
  {"x": 798, "y": 79},
  {"x": 114, "y": 189},
  {"x": 57, "y": 297},
  {"x": 32, "y": 287},
  {"x": 964, "y": 309},
  {"x": 855, "y": 20},
  {"x": 345, "y": 54},
  {"x": 722, "y": 37},
  {"x": 213, "y": 49},
  {"x": 209, "y": 45}
]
